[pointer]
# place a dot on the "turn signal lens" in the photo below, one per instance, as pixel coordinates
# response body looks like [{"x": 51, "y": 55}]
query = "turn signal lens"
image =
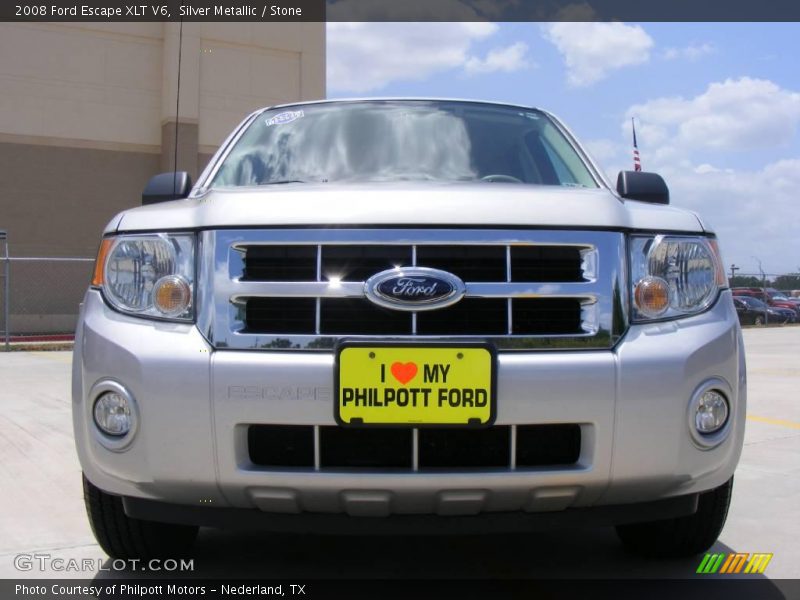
[
  {"x": 652, "y": 296},
  {"x": 722, "y": 277},
  {"x": 100, "y": 263},
  {"x": 172, "y": 295}
]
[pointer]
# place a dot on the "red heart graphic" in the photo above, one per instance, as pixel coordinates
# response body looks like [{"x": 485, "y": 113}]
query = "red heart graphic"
[{"x": 404, "y": 372}]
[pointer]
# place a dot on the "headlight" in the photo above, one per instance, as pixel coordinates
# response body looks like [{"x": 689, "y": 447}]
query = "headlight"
[
  {"x": 674, "y": 276},
  {"x": 148, "y": 275}
]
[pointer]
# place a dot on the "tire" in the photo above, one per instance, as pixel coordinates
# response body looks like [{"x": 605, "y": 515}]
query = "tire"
[
  {"x": 121, "y": 536},
  {"x": 759, "y": 321},
  {"x": 681, "y": 536}
]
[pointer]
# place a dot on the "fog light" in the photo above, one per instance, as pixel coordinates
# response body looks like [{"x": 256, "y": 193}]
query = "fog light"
[
  {"x": 172, "y": 295},
  {"x": 711, "y": 413},
  {"x": 652, "y": 296},
  {"x": 112, "y": 414}
]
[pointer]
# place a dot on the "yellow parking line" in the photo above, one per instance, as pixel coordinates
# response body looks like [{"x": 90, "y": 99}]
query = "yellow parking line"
[{"x": 779, "y": 422}]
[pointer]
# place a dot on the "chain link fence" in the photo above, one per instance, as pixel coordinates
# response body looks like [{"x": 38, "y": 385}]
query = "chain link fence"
[
  {"x": 786, "y": 283},
  {"x": 4, "y": 289},
  {"x": 41, "y": 295}
]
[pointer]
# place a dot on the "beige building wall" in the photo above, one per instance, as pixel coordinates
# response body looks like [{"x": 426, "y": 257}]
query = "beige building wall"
[{"x": 88, "y": 113}]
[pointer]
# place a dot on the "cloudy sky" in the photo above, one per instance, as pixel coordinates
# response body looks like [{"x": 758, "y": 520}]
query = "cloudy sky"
[{"x": 717, "y": 105}]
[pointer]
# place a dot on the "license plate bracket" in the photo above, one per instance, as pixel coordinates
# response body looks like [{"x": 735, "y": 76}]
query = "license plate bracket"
[{"x": 415, "y": 384}]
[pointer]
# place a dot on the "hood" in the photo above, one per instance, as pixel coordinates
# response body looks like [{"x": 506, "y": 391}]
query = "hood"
[{"x": 406, "y": 204}]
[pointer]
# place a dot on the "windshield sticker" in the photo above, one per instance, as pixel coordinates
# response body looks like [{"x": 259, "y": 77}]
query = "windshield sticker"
[{"x": 285, "y": 117}]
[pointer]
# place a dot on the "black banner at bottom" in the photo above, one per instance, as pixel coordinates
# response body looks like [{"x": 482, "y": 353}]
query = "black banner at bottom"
[{"x": 381, "y": 589}]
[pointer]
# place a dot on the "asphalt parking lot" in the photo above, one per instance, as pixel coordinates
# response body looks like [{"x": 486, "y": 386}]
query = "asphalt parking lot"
[{"x": 41, "y": 507}]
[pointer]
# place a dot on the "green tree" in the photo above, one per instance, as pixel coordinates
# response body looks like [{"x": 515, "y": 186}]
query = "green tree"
[
  {"x": 747, "y": 281},
  {"x": 790, "y": 281}
]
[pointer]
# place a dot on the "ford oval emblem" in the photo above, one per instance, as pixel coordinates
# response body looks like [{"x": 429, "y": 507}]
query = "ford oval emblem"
[{"x": 414, "y": 288}]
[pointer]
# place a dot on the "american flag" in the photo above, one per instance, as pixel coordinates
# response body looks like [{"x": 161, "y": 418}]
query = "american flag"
[{"x": 637, "y": 163}]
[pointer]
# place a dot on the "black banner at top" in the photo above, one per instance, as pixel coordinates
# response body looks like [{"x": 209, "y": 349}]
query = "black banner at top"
[{"x": 400, "y": 10}]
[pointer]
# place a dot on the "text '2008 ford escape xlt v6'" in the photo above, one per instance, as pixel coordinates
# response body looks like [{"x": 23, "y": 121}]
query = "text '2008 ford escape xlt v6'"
[{"x": 425, "y": 315}]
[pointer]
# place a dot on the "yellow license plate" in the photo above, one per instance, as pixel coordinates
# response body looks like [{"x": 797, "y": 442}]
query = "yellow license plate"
[{"x": 415, "y": 385}]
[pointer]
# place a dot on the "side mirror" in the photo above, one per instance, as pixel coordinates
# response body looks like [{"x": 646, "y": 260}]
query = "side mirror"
[
  {"x": 645, "y": 187},
  {"x": 167, "y": 186}
]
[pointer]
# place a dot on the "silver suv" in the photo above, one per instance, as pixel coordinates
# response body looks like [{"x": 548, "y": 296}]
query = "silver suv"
[{"x": 407, "y": 315}]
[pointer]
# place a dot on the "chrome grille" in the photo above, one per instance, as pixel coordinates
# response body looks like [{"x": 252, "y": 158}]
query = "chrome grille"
[{"x": 303, "y": 289}]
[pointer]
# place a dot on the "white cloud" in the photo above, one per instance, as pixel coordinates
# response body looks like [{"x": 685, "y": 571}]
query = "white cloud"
[
  {"x": 687, "y": 141},
  {"x": 509, "y": 59},
  {"x": 603, "y": 150},
  {"x": 753, "y": 211},
  {"x": 691, "y": 52},
  {"x": 592, "y": 50},
  {"x": 706, "y": 168},
  {"x": 736, "y": 114},
  {"x": 363, "y": 57}
]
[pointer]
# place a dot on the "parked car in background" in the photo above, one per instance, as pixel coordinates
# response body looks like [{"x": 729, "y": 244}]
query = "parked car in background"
[
  {"x": 785, "y": 297},
  {"x": 770, "y": 296},
  {"x": 784, "y": 315},
  {"x": 750, "y": 314},
  {"x": 752, "y": 311}
]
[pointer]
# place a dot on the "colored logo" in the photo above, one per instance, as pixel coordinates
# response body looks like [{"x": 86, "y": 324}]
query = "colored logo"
[
  {"x": 404, "y": 372},
  {"x": 733, "y": 563},
  {"x": 414, "y": 288}
]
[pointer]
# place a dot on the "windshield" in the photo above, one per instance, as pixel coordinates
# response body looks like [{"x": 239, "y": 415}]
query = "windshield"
[
  {"x": 752, "y": 302},
  {"x": 403, "y": 141}
]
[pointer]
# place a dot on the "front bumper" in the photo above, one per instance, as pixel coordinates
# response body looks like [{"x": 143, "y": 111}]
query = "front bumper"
[
  {"x": 194, "y": 404},
  {"x": 427, "y": 524}
]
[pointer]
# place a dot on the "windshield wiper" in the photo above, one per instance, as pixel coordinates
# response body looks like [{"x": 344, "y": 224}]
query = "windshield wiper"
[{"x": 281, "y": 181}]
